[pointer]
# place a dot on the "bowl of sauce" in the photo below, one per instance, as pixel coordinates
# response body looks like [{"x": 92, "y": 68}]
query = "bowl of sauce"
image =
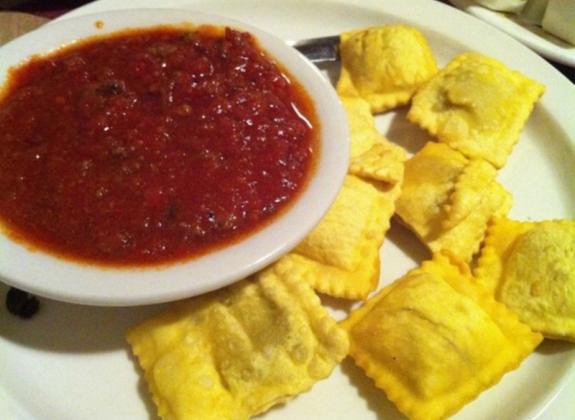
[{"x": 153, "y": 155}]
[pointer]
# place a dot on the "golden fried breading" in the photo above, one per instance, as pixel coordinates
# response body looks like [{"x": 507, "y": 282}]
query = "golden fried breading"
[
  {"x": 373, "y": 157},
  {"x": 530, "y": 267},
  {"x": 384, "y": 65},
  {"x": 476, "y": 105},
  {"x": 433, "y": 341},
  {"x": 342, "y": 252},
  {"x": 234, "y": 353},
  {"x": 383, "y": 162},
  {"x": 363, "y": 134},
  {"x": 447, "y": 199}
]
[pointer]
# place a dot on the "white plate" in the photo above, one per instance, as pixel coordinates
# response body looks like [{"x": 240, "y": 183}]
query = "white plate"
[
  {"x": 531, "y": 35},
  {"x": 71, "y": 362}
]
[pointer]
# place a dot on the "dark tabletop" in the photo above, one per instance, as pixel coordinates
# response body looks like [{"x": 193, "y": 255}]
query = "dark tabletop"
[{"x": 53, "y": 8}]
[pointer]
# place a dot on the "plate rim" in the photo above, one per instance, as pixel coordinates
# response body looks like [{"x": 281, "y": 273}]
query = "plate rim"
[{"x": 519, "y": 32}]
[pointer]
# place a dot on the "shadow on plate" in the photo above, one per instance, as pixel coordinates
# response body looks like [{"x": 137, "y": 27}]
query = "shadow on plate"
[
  {"x": 550, "y": 347},
  {"x": 405, "y": 240},
  {"x": 337, "y": 303},
  {"x": 540, "y": 32},
  {"x": 65, "y": 327},
  {"x": 404, "y": 133}
]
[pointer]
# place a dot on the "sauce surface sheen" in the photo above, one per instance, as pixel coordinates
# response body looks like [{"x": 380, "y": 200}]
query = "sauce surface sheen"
[{"x": 151, "y": 146}]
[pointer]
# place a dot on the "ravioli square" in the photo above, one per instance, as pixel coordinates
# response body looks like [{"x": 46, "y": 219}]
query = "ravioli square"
[
  {"x": 530, "y": 267},
  {"x": 349, "y": 223},
  {"x": 477, "y": 106},
  {"x": 384, "y": 65},
  {"x": 384, "y": 162},
  {"x": 447, "y": 199},
  {"x": 234, "y": 353},
  {"x": 342, "y": 253},
  {"x": 433, "y": 340},
  {"x": 372, "y": 156},
  {"x": 363, "y": 134}
]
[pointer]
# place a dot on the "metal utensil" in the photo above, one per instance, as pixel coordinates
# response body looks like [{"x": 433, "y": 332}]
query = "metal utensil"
[{"x": 319, "y": 50}]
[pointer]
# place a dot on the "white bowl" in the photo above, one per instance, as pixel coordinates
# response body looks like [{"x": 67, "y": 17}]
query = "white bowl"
[{"x": 61, "y": 279}]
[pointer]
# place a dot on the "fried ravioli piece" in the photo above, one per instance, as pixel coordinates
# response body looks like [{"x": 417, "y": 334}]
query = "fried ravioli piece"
[
  {"x": 530, "y": 267},
  {"x": 362, "y": 131},
  {"x": 476, "y": 105},
  {"x": 373, "y": 157},
  {"x": 234, "y": 353},
  {"x": 342, "y": 252},
  {"x": 383, "y": 162},
  {"x": 447, "y": 199},
  {"x": 433, "y": 340},
  {"x": 384, "y": 65}
]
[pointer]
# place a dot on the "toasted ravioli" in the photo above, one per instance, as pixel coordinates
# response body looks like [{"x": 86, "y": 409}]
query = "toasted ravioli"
[
  {"x": 335, "y": 281},
  {"x": 234, "y": 353},
  {"x": 476, "y": 105},
  {"x": 384, "y": 65},
  {"x": 372, "y": 155},
  {"x": 447, "y": 199},
  {"x": 499, "y": 240},
  {"x": 530, "y": 267},
  {"x": 342, "y": 252},
  {"x": 352, "y": 219},
  {"x": 383, "y": 162},
  {"x": 433, "y": 340},
  {"x": 429, "y": 179},
  {"x": 362, "y": 131}
]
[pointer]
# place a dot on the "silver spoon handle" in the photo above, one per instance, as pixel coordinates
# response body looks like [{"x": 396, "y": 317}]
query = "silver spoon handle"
[{"x": 319, "y": 50}]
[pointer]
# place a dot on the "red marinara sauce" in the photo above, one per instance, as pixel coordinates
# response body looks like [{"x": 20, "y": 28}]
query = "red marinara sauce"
[{"x": 151, "y": 146}]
